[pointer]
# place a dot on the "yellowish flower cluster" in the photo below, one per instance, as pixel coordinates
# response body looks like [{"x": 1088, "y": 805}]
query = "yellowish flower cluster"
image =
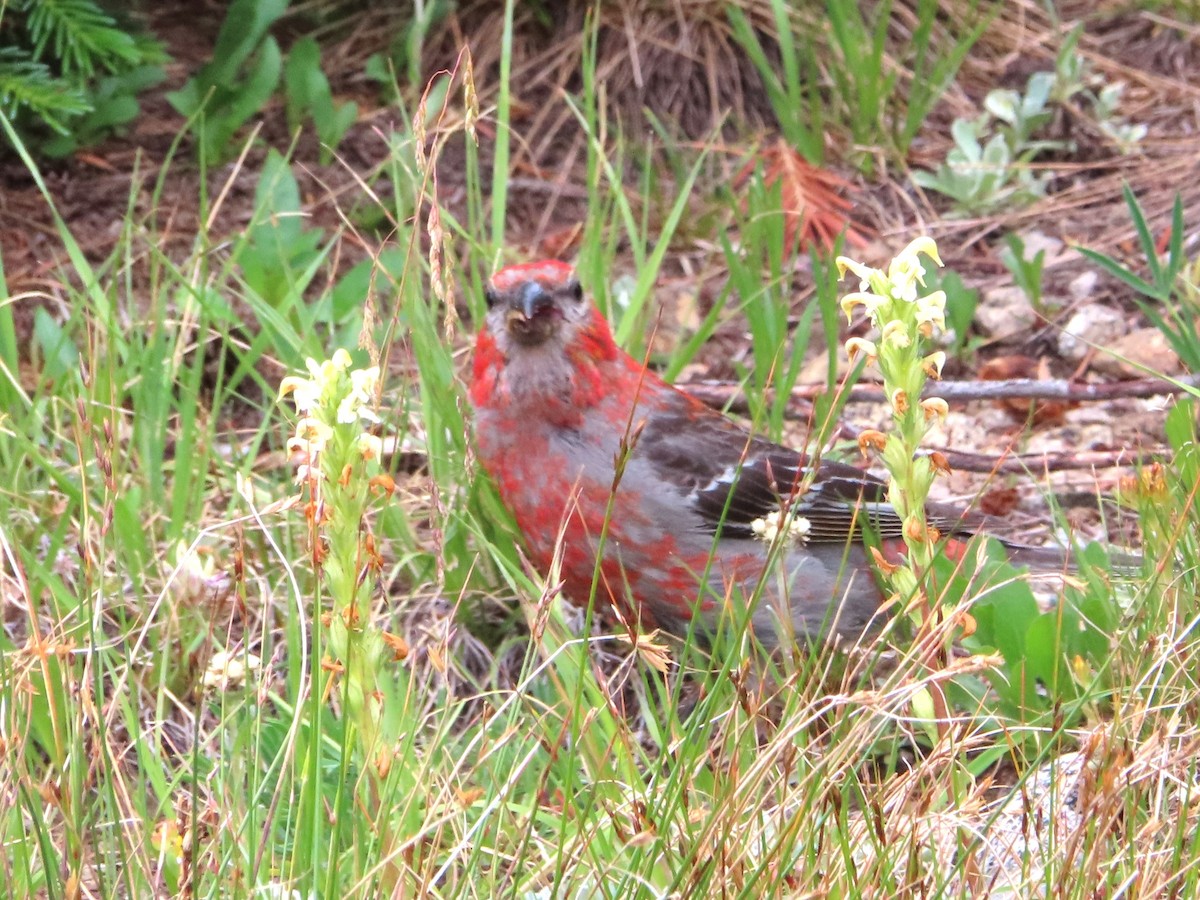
[
  {"x": 341, "y": 473},
  {"x": 905, "y": 316},
  {"x": 332, "y": 395},
  {"x": 894, "y": 305}
]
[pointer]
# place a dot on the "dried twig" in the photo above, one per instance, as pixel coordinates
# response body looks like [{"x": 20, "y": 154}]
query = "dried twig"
[
  {"x": 727, "y": 395},
  {"x": 1021, "y": 463}
]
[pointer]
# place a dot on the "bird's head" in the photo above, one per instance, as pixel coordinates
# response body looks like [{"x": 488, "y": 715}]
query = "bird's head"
[
  {"x": 533, "y": 303},
  {"x": 540, "y": 329},
  {"x": 541, "y": 305}
]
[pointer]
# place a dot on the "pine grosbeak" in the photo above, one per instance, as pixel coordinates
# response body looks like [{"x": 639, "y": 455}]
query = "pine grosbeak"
[{"x": 589, "y": 449}]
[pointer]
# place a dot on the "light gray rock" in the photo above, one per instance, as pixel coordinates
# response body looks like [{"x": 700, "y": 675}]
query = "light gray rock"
[
  {"x": 1005, "y": 312},
  {"x": 1092, "y": 324},
  {"x": 1083, "y": 286}
]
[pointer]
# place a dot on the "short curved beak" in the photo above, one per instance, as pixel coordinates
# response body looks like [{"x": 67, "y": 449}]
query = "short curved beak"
[{"x": 533, "y": 299}]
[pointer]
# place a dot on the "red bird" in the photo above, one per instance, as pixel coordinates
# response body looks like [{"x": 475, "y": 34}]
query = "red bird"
[{"x": 594, "y": 454}]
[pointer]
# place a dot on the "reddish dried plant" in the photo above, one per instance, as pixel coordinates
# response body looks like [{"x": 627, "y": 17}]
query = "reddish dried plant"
[{"x": 813, "y": 199}]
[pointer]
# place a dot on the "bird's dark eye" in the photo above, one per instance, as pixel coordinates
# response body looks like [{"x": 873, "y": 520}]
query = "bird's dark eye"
[
  {"x": 575, "y": 289},
  {"x": 489, "y": 296}
]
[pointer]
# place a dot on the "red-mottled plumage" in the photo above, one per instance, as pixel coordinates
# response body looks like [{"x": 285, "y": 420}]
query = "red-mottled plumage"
[{"x": 558, "y": 404}]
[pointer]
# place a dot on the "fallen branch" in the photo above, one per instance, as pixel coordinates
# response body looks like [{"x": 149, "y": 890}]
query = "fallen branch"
[
  {"x": 727, "y": 395},
  {"x": 1010, "y": 463}
]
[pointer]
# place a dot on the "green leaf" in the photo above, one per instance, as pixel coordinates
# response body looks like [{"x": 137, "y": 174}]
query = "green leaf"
[
  {"x": 347, "y": 295},
  {"x": 966, "y": 138},
  {"x": 226, "y": 102},
  {"x": 1119, "y": 271},
  {"x": 252, "y": 96},
  {"x": 1002, "y": 104},
  {"x": 1013, "y": 610},
  {"x": 798, "y": 118},
  {"x": 305, "y": 86},
  {"x": 278, "y": 210},
  {"x": 59, "y": 352},
  {"x": 1180, "y": 425},
  {"x": 1037, "y": 94},
  {"x": 1145, "y": 238},
  {"x": 344, "y": 116},
  {"x": 308, "y": 94},
  {"x": 244, "y": 28},
  {"x": 961, "y": 303},
  {"x": 1044, "y": 657}
]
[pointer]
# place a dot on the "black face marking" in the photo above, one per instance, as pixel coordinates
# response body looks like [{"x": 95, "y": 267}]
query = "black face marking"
[{"x": 489, "y": 296}]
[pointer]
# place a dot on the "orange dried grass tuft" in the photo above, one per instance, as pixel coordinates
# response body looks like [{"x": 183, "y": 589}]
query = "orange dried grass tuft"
[{"x": 814, "y": 204}]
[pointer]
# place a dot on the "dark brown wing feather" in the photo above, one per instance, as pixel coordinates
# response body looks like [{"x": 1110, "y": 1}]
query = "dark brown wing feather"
[{"x": 731, "y": 479}]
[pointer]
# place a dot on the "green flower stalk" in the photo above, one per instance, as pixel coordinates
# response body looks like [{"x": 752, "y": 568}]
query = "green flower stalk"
[
  {"x": 340, "y": 472},
  {"x": 905, "y": 318}
]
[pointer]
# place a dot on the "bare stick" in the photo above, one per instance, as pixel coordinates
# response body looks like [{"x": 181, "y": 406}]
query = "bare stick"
[
  {"x": 724, "y": 394},
  {"x": 1007, "y": 463}
]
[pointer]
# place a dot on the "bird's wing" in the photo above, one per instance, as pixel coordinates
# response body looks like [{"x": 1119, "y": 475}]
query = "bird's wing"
[{"x": 730, "y": 479}]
